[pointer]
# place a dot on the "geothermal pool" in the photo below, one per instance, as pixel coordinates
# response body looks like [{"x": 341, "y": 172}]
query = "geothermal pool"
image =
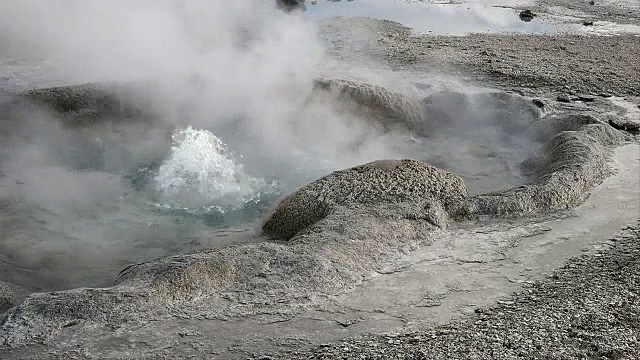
[
  {"x": 78, "y": 205},
  {"x": 80, "y": 202},
  {"x": 232, "y": 130},
  {"x": 143, "y": 144}
]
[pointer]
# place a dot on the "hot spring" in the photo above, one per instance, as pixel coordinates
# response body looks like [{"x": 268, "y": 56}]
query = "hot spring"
[
  {"x": 82, "y": 196},
  {"x": 225, "y": 108}
]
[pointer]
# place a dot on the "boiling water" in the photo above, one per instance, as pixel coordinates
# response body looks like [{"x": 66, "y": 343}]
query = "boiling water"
[
  {"x": 75, "y": 207},
  {"x": 202, "y": 176},
  {"x": 78, "y": 205}
]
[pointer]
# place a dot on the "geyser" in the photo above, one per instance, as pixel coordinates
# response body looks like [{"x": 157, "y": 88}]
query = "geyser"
[
  {"x": 201, "y": 125},
  {"x": 201, "y": 171}
]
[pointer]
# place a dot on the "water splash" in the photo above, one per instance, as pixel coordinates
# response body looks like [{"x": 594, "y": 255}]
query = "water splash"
[{"x": 201, "y": 173}]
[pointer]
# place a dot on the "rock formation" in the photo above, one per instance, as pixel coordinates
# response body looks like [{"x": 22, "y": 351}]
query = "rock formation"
[
  {"x": 372, "y": 184},
  {"x": 389, "y": 108}
]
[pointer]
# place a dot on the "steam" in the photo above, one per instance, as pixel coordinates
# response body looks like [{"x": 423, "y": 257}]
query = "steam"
[
  {"x": 233, "y": 82},
  {"x": 224, "y": 62},
  {"x": 237, "y": 72}
]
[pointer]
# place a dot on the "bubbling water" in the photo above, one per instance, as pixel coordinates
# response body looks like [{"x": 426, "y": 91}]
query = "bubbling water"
[{"x": 201, "y": 174}]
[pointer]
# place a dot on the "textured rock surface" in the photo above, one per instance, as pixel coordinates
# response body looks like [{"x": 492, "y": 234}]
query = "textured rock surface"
[
  {"x": 374, "y": 183},
  {"x": 455, "y": 112},
  {"x": 75, "y": 98},
  {"x": 7, "y": 297},
  {"x": 95, "y": 101},
  {"x": 545, "y": 62},
  {"x": 390, "y": 108},
  {"x": 265, "y": 279},
  {"x": 587, "y": 310},
  {"x": 572, "y": 163},
  {"x": 626, "y": 124},
  {"x": 625, "y": 12},
  {"x": 547, "y": 128},
  {"x": 289, "y": 5},
  {"x": 532, "y": 63}
]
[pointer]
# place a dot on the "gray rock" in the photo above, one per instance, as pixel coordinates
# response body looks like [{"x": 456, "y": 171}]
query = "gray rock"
[
  {"x": 527, "y": 15},
  {"x": 454, "y": 111},
  {"x": 443, "y": 108},
  {"x": 625, "y": 124},
  {"x": 572, "y": 163},
  {"x": 389, "y": 108},
  {"x": 91, "y": 102},
  {"x": 545, "y": 129},
  {"x": 378, "y": 182},
  {"x": 77, "y": 98},
  {"x": 586, "y": 98},
  {"x": 539, "y": 103},
  {"x": 289, "y": 5},
  {"x": 8, "y": 297}
]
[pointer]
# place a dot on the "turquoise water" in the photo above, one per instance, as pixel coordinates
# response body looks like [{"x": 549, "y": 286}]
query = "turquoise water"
[{"x": 77, "y": 205}]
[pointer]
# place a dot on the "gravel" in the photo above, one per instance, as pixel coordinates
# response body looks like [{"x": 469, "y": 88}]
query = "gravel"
[
  {"x": 560, "y": 64},
  {"x": 598, "y": 65},
  {"x": 589, "y": 309},
  {"x": 624, "y": 12}
]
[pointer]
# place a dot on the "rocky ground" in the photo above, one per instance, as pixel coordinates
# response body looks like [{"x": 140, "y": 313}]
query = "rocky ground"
[
  {"x": 534, "y": 64},
  {"x": 600, "y": 66},
  {"x": 626, "y": 12},
  {"x": 589, "y": 309}
]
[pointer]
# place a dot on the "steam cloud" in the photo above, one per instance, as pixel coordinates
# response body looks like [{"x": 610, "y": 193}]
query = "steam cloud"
[
  {"x": 225, "y": 60},
  {"x": 241, "y": 69}
]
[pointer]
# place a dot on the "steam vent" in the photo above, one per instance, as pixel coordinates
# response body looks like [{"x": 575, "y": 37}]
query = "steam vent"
[{"x": 319, "y": 180}]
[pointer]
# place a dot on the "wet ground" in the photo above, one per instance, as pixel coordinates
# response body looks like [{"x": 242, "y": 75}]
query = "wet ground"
[
  {"x": 434, "y": 17},
  {"x": 465, "y": 17}
]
